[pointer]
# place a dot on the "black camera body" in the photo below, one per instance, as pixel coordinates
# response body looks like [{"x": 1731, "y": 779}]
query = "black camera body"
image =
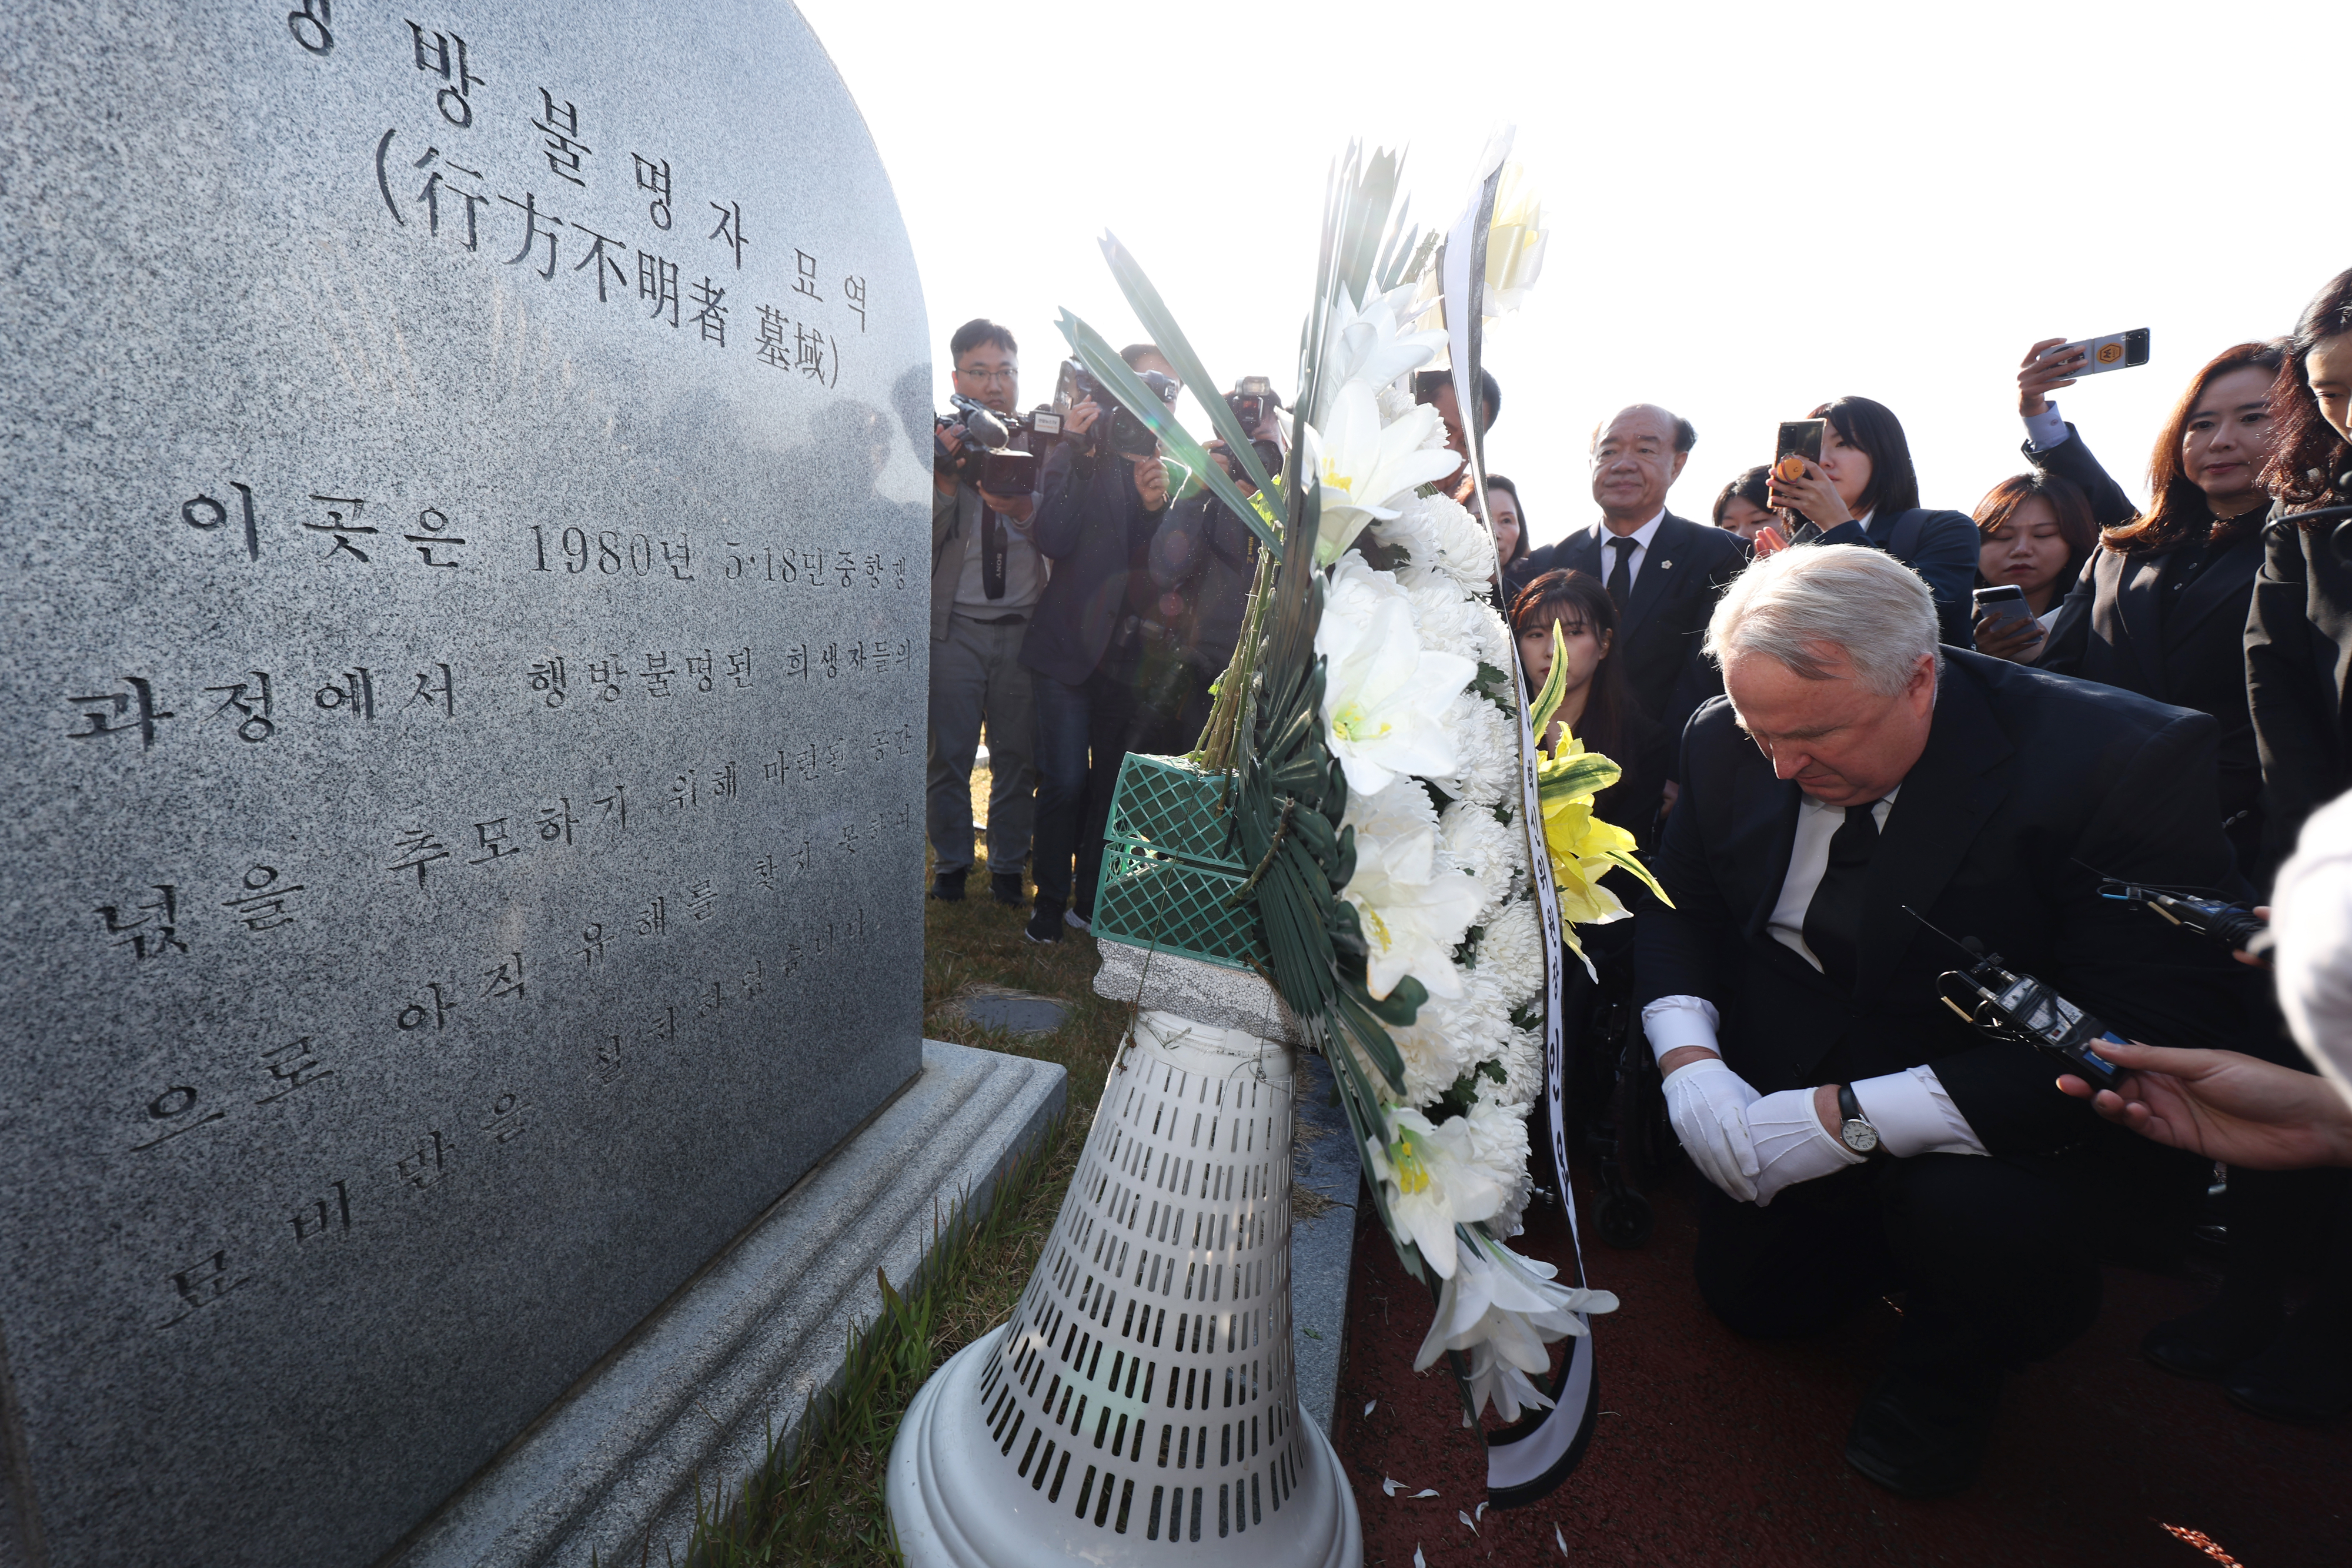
[
  {"x": 1251, "y": 399},
  {"x": 1118, "y": 430},
  {"x": 993, "y": 456}
]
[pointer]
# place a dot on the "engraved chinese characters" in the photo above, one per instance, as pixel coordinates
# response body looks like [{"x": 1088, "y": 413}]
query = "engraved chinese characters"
[{"x": 467, "y": 619}]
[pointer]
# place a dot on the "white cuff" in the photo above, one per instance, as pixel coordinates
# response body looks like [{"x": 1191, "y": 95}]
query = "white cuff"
[
  {"x": 1671, "y": 1023},
  {"x": 2046, "y": 429},
  {"x": 1914, "y": 1114}
]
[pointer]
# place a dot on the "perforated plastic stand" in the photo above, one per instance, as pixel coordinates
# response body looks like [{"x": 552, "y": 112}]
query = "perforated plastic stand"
[{"x": 1140, "y": 1407}]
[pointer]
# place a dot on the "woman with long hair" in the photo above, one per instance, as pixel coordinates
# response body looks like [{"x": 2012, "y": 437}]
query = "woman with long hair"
[
  {"x": 1508, "y": 518},
  {"x": 2161, "y": 608},
  {"x": 1743, "y": 505},
  {"x": 1864, "y": 491},
  {"x": 2299, "y": 626},
  {"x": 1595, "y": 707},
  {"x": 2037, "y": 532}
]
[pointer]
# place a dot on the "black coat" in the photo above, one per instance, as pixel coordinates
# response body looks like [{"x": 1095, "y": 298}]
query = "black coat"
[
  {"x": 1686, "y": 571},
  {"x": 2113, "y": 629},
  {"x": 2298, "y": 665},
  {"x": 2026, "y": 776},
  {"x": 1942, "y": 548},
  {"x": 1088, "y": 522}
]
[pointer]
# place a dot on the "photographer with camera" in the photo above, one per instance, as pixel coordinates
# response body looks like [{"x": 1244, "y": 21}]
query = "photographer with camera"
[
  {"x": 1095, "y": 641},
  {"x": 986, "y": 580},
  {"x": 1203, "y": 559}
]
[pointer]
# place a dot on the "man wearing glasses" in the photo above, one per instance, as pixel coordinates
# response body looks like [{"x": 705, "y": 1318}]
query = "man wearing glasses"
[{"x": 986, "y": 579}]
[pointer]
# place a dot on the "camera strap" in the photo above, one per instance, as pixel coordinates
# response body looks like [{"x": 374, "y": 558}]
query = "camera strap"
[{"x": 993, "y": 545}]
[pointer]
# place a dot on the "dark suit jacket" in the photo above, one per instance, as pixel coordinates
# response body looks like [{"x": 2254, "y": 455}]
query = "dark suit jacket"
[
  {"x": 2026, "y": 776},
  {"x": 2111, "y": 629},
  {"x": 1945, "y": 554},
  {"x": 1687, "y": 567},
  {"x": 1086, "y": 510},
  {"x": 2298, "y": 666}
]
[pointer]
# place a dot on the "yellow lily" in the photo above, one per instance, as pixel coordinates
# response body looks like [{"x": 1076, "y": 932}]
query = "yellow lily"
[{"x": 1582, "y": 848}]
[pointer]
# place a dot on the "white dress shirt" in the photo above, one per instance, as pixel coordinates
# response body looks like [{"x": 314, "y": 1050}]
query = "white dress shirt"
[
  {"x": 1640, "y": 553},
  {"x": 2046, "y": 429},
  {"x": 1912, "y": 1111}
]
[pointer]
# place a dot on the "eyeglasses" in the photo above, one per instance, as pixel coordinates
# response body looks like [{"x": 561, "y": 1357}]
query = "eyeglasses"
[{"x": 1007, "y": 376}]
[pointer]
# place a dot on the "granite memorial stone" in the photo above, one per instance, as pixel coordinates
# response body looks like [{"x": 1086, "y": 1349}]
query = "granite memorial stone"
[{"x": 465, "y": 689}]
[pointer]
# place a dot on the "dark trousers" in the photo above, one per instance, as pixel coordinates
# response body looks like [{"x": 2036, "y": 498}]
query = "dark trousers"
[
  {"x": 1084, "y": 734},
  {"x": 1998, "y": 1260}
]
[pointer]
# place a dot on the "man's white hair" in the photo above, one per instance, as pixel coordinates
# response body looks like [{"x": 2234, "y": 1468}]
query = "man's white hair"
[{"x": 1801, "y": 606}]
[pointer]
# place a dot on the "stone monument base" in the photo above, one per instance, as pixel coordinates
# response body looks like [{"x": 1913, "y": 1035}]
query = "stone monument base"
[{"x": 693, "y": 1394}]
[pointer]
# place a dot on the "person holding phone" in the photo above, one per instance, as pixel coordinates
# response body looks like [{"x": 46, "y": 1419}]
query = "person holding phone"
[
  {"x": 2037, "y": 532},
  {"x": 1863, "y": 490},
  {"x": 2161, "y": 606}
]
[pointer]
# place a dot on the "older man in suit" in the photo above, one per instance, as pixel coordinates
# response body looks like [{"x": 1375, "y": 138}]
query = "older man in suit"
[
  {"x": 1665, "y": 572},
  {"x": 1863, "y": 1138}
]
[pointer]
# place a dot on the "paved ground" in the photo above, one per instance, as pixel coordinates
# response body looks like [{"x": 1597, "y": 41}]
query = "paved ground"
[{"x": 1713, "y": 1450}]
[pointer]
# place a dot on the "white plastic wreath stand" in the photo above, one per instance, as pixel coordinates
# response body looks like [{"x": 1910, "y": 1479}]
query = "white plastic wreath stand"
[{"x": 1140, "y": 1407}]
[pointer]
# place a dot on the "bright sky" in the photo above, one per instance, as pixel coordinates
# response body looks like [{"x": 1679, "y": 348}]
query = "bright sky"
[{"x": 1753, "y": 208}]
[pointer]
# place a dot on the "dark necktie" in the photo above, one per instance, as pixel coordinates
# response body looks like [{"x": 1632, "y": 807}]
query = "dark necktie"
[
  {"x": 991, "y": 552},
  {"x": 1621, "y": 576},
  {"x": 1833, "y": 918}
]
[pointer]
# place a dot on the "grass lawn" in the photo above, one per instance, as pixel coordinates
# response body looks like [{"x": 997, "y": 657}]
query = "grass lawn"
[{"x": 826, "y": 1505}]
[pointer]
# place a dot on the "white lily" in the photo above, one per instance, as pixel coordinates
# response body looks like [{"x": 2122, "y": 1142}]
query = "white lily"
[
  {"x": 1384, "y": 696},
  {"x": 1505, "y": 1309},
  {"x": 1414, "y": 909},
  {"x": 1368, "y": 345},
  {"x": 1433, "y": 1186},
  {"x": 1366, "y": 469}
]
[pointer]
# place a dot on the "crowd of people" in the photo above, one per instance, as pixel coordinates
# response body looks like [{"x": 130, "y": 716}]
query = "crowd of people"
[{"x": 1867, "y": 745}]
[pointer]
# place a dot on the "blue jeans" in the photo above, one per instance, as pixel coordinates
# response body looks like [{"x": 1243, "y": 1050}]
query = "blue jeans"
[{"x": 1084, "y": 734}]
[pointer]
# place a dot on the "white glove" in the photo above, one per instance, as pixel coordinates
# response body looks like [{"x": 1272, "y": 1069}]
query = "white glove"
[
  {"x": 1707, "y": 1104},
  {"x": 1791, "y": 1144}
]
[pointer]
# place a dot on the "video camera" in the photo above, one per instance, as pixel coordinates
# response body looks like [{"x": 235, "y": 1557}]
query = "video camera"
[
  {"x": 995, "y": 454},
  {"x": 1118, "y": 430}
]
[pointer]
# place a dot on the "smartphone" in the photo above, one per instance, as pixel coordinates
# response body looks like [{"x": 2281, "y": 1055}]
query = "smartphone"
[
  {"x": 1801, "y": 438},
  {"x": 2115, "y": 351},
  {"x": 2001, "y": 606}
]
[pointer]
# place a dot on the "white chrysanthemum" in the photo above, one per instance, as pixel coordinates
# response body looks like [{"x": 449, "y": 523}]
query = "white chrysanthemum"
[
  {"x": 1522, "y": 1058},
  {"x": 1395, "y": 400},
  {"x": 1486, "y": 751},
  {"x": 1411, "y": 532},
  {"x": 1397, "y": 812},
  {"x": 1498, "y": 1142},
  {"x": 1486, "y": 849},
  {"x": 1510, "y": 951},
  {"x": 1450, "y": 1035},
  {"x": 1449, "y": 621},
  {"x": 1458, "y": 544}
]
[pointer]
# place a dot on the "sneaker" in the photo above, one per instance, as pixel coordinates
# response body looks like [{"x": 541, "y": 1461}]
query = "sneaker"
[
  {"x": 1004, "y": 886},
  {"x": 1045, "y": 925},
  {"x": 948, "y": 886},
  {"x": 1080, "y": 922}
]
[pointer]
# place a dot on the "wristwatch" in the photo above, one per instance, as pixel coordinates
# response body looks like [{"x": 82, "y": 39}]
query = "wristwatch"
[{"x": 1856, "y": 1131}]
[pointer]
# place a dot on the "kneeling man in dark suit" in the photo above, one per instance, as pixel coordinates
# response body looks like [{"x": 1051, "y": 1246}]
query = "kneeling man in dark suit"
[{"x": 1863, "y": 1138}]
